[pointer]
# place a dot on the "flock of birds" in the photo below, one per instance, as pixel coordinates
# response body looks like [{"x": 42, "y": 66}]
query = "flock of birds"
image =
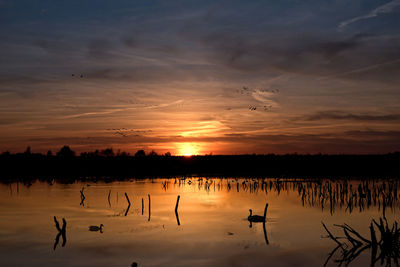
[
  {"x": 248, "y": 91},
  {"x": 265, "y": 108}
]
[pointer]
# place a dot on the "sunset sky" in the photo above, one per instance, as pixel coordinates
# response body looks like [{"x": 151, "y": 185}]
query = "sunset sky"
[{"x": 197, "y": 77}]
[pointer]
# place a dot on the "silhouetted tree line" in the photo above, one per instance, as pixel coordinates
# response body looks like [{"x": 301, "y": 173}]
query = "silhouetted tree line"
[{"x": 120, "y": 165}]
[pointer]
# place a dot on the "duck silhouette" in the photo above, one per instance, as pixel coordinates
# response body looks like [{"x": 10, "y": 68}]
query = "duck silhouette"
[
  {"x": 95, "y": 228},
  {"x": 257, "y": 218}
]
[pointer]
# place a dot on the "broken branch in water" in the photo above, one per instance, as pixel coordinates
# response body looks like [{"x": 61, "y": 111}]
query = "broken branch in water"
[
  {"x": 265, "y": 212},
  {"x": 129, "y": 204},
  {"x": 57, "y": 224},
  {"x": 331, "y": 236},
  {"x": 61, "y": 232},
  {"x": 177, "y": 203},
  {"x": 348, "y": 228},
  {"x": 127, "y": 198},
  {"x": 176, "y": 210},
  {"x": 388, "y": 243},
  {"x": 82, "y": 197},
  {"x": 109, "y": 194}
]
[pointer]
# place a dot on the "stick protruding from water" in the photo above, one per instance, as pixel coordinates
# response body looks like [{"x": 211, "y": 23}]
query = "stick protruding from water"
[
  {"x": 127, "y": 198},
  {"x": 265, "y": 211},
  {"x": 177, "y": 203},
  {"x": 149, "y": 207}
]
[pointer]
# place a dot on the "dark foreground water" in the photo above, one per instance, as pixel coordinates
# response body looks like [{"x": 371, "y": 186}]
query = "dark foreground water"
[{"x": 210, "y": 228}]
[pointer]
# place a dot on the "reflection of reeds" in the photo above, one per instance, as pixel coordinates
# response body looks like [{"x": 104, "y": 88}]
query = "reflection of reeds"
[
  {"x": 326, "y": 194},
  {"x": 388, "y": 243}
]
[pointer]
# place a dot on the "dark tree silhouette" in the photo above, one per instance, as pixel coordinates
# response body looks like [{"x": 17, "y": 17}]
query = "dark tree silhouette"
[
  {"x": 108, "y": 152},
  {"x": 123, "y": 154},
  {"x": 153, "y": 153},
  {"x": 140, "y": 153},
  {"x": 124, "y": 165},
  {"x": 28, "y": 151},
  {"x": 65, "y": 151}
]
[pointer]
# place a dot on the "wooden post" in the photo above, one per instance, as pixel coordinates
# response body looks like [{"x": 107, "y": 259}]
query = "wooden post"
[
  {"x": 149, "y": 207},
  {"x": 142, "y": 205}
]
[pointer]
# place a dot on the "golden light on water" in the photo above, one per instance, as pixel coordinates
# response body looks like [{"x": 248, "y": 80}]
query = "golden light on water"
[{"x": 187, "y": 149}]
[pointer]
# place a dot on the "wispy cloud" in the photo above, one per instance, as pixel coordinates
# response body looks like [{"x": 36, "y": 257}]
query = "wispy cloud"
[
  {"x": 115, "y": 110},
  {"x": 383, "y": 9}
]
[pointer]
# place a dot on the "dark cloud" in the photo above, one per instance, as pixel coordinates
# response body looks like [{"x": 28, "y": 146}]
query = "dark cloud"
[
  {"x": 374, "y": 134},
  {"x": 330, "y": 49},
  {"x": 15, "y": 79},
  {"x": 340, "y": 115},
  {"x": 149, "y": 45},
  {"x": 133, "y": 74},
  {"x": 155, "y": 73},
  {"x": 308, "y": 54},
  {"x": 100, "y": 49},
  {"x": 55, "y": 45},
  {"x": 130, "y": 41}
]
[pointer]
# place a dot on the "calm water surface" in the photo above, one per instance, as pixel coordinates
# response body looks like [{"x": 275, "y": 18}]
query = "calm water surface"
[{"x": 213, "y": 229}]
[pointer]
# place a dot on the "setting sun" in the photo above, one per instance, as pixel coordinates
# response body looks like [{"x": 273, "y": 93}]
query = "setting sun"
[{"x": 187, "y": 149}]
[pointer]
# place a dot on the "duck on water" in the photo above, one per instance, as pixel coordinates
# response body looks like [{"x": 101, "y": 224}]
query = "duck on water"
[
  {"x": 95, "y": 228},
  {"x": 258, "y": 218}
]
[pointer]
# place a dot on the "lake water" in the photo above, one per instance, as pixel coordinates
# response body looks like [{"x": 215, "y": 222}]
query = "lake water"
[{"x": 211, "y": 229}]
